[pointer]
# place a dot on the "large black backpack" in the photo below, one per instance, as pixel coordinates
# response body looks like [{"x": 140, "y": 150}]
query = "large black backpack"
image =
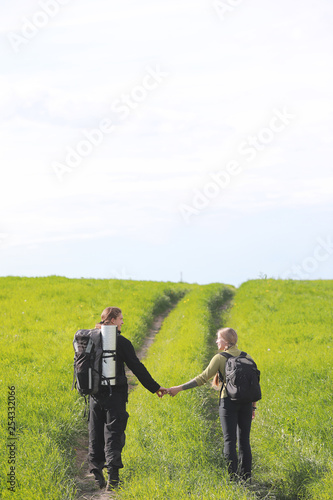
[
  {"x": 88, "y": 351},
  {"x": 242, "y": 378}
]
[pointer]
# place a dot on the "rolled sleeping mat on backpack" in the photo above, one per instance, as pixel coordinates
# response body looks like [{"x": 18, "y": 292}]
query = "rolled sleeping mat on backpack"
[{"x": 109, "y": 341}]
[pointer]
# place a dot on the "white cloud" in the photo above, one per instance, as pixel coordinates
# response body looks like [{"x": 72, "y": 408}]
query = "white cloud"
[{"x": 225, "y": 79}]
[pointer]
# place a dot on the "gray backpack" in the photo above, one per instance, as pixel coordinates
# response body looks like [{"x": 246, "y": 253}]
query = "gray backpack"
[
  {"x": 242, "y": 378},
  {"x": 88, "y": 351}
]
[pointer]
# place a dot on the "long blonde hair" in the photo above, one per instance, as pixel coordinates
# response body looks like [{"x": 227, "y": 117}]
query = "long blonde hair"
[{"x": 230, "y": 337}]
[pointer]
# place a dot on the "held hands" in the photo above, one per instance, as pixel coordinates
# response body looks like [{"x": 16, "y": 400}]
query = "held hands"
[
  {"x": 172, "y": 391},
  {"x": 161, "y": 392}
]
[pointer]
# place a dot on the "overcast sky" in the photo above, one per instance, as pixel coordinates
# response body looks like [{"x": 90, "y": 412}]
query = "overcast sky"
[{"x": 156, "y": 140}]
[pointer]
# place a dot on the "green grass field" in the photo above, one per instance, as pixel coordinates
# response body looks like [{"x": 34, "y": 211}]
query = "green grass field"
[
  {"x": 39, "y": 317},
  {"x": 287, "y": 326},
  {"x": 174, "y": 445}
]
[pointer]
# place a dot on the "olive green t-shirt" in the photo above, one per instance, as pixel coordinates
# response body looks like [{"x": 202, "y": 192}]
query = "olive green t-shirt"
[{"x": 217, "y": 363}]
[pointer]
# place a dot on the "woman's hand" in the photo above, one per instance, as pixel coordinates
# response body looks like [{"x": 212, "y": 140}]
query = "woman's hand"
[{"x": 173, "y": 391}]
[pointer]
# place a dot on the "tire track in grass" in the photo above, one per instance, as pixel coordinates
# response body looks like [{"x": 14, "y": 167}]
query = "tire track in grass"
[
  {"x": 174, "y": 451},
  {"x": 86, "y": 488},
  {"x": 262, "y": 491}
]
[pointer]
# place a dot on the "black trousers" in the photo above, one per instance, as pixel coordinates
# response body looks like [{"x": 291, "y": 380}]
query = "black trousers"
[
  {"x": 236, "y": 421},
  {"x": 107, "y": 423}
]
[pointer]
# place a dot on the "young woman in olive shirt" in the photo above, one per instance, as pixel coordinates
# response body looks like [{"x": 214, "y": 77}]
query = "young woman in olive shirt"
[{"x": 235, "y": 417}]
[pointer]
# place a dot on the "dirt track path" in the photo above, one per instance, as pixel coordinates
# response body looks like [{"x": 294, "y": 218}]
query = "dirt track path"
[{"x": 87, "y": 490}]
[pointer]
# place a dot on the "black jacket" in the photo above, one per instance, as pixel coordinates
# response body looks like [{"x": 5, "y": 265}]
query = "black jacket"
[{"x": 125, "y": 354}]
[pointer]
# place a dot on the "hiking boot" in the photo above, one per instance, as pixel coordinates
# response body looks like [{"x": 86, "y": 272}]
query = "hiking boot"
[
  {"x": 99, "y": 478},
  {"x": 113, "y": 479}
]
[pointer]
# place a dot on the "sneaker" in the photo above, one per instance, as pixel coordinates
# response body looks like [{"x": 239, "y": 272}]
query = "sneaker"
[{"x": 99, "y": 478}]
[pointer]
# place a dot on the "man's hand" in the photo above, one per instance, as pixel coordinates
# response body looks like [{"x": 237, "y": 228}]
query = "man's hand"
[{"x": 161, "y": 392}]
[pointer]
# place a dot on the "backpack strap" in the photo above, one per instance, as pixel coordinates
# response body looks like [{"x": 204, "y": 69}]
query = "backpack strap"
[
  {"x": 74, "y": 382},
  {"x": 86, "y": 407},
  {"x": 226, "y": 355}
]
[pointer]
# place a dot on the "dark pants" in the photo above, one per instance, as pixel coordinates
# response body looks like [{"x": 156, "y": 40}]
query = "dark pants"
[
  {"x": 107, "y": 424},
  {"x": 236, "y": 421}
]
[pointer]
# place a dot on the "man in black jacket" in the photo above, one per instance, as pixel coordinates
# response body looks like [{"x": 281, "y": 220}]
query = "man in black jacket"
[{"x": 107, "y": 414}]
